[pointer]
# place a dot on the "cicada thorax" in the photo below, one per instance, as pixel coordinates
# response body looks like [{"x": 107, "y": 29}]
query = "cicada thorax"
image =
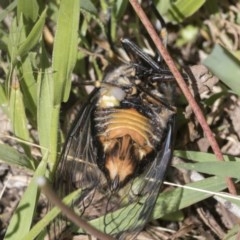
[{"x": 128, "y": 129}]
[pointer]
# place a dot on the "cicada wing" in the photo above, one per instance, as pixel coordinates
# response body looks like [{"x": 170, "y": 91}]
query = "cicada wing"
[
  {"x": 77, "y": 167},
  {"x": 159, "y": 167}
]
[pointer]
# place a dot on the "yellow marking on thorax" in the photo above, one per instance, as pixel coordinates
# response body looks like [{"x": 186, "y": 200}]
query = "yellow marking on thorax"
[{"x": 110, "y": 96}]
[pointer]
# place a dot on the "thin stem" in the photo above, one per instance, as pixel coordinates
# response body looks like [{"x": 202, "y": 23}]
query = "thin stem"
[{"x": 69, "y": 213}]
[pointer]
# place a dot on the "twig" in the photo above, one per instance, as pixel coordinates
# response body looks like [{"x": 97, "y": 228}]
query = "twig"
[
  {"x": 196, "y": 109},
  {"x": 69, "y": 212}
]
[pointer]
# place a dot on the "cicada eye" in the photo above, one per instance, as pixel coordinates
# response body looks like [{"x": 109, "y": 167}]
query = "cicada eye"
[{"x": 131, "y": 90}]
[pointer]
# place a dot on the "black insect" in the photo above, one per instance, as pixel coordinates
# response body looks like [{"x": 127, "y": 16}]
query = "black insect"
[{"x": 120, "y": 145}]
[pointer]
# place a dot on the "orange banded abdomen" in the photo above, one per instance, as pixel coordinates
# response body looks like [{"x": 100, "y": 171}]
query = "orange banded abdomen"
[{"x": 125, "y": 137}]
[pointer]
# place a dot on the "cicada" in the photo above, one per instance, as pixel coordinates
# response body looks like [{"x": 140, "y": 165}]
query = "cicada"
[{"x": 120, "y": 145}]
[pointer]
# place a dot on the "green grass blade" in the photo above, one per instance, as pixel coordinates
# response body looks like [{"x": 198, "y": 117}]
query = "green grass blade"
[
  {"x": 22, "y": 219},
  {"x": 48, "y": 116},
  {"x": 121, "y": 6},
  {"x": 223, "y": 169},
  {"x": 33, "y": 37},
  {"x": 202, "y": 156},
  {"x": 12, "y": 156},
  {"x": 45, "y": 106},
  {"x": 14, "y": 40},
  {"x": 179, "y": 10},
  {"x": 53, "y": 213},
  {"x": 29, "y": 87},
  {"x": 29, "y": 9},
  {"x": 225, "y": 66},
  {"x": 18, "y": 116},
  {"x": 3, "y": 100},
  {"x": 186, "y": 197},
  {"x": 65, "y": 48},
  {"x": 88, "y": 6}
]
